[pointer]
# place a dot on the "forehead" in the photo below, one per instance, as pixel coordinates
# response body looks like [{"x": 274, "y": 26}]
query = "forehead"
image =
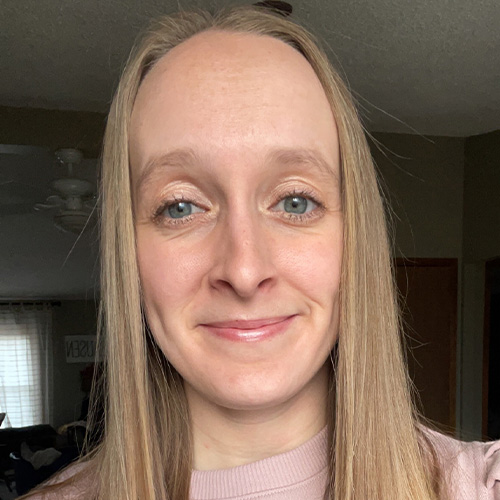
[
  {"x": 221, "y": 90},
  {"x": 230, "y": 59}
]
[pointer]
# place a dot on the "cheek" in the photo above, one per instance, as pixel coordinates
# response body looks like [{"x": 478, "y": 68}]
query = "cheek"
[
  {"x": 314, "y": 265},
  {"x": 169, "y": 273}
]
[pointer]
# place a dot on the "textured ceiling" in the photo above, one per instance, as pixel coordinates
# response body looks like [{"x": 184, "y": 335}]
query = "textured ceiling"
[{"x": 425, "y": 66}]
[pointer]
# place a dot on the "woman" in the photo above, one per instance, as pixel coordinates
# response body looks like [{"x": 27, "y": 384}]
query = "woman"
[{"x": 251, "y": 326}]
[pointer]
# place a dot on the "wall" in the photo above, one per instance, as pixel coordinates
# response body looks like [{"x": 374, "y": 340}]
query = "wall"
[
  {"x": 76, "y": 317},
  {"x": 482, "y": 197},
  {"x": 53, "y": 129},
  {"x": 39, "y": 261},
  {"x": 423, "y": 179}
]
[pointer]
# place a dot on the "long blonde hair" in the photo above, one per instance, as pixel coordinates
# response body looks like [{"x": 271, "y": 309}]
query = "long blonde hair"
[{"x": 376, "y": 451}]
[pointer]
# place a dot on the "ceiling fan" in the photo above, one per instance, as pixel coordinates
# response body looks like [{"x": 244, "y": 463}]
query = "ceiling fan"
[
  {"x": 26, "y": 170},
  {"x": 73, "y": 207}
]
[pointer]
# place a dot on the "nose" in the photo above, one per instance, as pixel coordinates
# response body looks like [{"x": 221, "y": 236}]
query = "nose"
[{"x": 244, "y": 257}]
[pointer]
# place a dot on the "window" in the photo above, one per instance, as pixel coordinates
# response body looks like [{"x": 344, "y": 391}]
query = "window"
[{"x": 25, "y": 364}]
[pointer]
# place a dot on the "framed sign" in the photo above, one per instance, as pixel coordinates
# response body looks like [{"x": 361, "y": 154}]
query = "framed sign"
[{"x": 80, "y": 348}]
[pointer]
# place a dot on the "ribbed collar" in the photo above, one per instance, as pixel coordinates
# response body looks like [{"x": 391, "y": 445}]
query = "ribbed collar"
[{"x": 277, "y": 472}]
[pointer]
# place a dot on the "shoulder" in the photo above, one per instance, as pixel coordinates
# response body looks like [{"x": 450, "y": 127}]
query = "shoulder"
[
  {"x": 469, "y": 469},
  {"x": 69, "y": 484}
]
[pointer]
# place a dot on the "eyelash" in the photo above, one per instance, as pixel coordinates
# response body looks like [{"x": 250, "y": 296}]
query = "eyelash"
[
  {"x": 159, "y": 218},
  {"x": 308, "y": 195}
]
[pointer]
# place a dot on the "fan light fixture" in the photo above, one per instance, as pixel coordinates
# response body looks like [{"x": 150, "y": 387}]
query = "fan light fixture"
[{"x": 74, "y": 201}]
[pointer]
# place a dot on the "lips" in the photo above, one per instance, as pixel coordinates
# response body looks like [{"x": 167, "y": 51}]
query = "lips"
[{"x": 249, "y": 330}]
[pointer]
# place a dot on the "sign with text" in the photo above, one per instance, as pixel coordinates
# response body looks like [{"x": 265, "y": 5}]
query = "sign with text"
[{"x": 80, "y": 348}]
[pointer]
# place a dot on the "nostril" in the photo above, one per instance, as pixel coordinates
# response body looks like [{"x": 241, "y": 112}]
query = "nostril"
[
  {"x": 243, "y": 261},
  {"x": 242, "y": 275}
]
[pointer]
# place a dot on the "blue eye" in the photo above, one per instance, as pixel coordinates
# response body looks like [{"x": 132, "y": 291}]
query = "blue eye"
[
  {"x": 181, "y": 209},
  {"x": 296, "y": 204}
]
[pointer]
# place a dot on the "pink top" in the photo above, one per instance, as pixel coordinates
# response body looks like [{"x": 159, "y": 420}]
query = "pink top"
[
  {"x": 472, "y": 471},
  {"x": 295, "y": 475}
]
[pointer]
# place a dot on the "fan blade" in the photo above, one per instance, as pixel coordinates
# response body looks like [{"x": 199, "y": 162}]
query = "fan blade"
[{"x": 52, "y": 201}]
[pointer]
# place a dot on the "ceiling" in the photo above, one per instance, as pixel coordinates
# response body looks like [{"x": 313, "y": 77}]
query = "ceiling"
[{"x": 427, "y": 66}]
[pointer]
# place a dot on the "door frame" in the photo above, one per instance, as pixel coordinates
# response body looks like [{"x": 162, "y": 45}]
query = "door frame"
[{"x": 490, "y": 266}]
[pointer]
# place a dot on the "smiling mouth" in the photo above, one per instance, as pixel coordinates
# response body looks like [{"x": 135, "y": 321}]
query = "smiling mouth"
[{"x": 249, "y": 330}]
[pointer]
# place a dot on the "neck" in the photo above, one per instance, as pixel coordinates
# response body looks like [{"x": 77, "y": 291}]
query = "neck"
[{"x": 225, "y": 437}]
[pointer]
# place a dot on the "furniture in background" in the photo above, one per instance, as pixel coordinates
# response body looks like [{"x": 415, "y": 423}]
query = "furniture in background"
[
  {"x": 27, "y": 477},
  {"x": 38, "y": 437}
]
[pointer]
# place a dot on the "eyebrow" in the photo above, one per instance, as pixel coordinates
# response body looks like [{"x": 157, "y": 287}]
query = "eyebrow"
[
  {"x": 185, "y": 158},
  {"x": 178, "y": 158},
  {"x": 304, "y": 157}
]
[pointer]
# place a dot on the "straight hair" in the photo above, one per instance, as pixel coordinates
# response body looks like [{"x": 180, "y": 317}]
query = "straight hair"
[{"x": 376, "y": 450}]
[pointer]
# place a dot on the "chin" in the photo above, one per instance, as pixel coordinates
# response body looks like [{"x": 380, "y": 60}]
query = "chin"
[{"x": 257, "y": 391}]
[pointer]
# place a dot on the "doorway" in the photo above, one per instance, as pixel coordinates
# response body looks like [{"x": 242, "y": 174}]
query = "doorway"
[
  {"x": 428, "y": 293},
  {"x": 491, "y": 351}
]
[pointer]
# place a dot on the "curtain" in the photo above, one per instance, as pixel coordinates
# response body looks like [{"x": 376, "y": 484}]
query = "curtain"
[{"x": 26, "y": 364}]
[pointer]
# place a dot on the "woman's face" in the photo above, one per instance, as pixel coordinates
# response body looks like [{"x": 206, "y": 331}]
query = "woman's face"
[{"x": 235, "y": 171}]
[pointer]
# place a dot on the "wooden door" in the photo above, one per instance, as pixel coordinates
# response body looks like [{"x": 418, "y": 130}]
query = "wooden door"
[{"x": 428, "y": 298}]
